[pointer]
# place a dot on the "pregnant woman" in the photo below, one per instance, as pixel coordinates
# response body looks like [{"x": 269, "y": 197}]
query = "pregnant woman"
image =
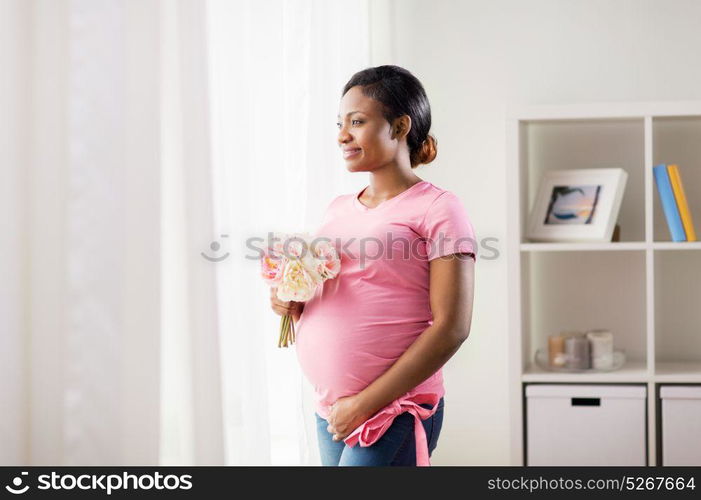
[{"x": 372, "y": 342}]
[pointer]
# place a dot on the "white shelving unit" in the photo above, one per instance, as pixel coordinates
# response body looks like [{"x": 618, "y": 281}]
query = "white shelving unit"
[{"x": 645, "y": 288}]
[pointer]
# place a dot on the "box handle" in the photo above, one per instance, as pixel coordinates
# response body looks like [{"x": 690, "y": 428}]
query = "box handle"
[{"x": 586, "y": 401}]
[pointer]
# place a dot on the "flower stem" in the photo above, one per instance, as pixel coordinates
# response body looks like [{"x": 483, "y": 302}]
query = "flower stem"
[
  {"x": 282, "y": 331},
  {"x": 287, "y": 331}
]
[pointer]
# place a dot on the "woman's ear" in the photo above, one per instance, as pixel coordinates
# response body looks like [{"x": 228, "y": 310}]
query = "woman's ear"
[{"x": 402, "y": 126}]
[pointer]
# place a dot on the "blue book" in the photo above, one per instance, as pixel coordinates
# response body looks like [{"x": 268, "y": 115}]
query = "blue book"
[{"x": 669, "y": 204}]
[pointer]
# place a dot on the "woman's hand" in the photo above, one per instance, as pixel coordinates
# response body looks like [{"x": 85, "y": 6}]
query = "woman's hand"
[
  {"x": 283, "y": 308},
  {"x": 347, "y": 414}
]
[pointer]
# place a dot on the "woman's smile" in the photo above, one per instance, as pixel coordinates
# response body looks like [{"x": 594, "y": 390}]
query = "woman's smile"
[{"x": 351, "y": 153}]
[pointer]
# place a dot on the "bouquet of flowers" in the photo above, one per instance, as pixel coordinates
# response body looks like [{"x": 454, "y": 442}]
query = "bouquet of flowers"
[{"x": 297, "y": 265}]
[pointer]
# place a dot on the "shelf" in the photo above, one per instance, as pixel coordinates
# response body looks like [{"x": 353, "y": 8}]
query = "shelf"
[
  {"x": 677, "y": 312},
  {"x": 579, "y": 247},
  {"x": 674, "y": 245},
  {"x": 564, "y": 291},
  {"x": 677, "y": 140},
  {"x": 576, "y": 144},
  {"x": 632, "y": 371},
  {"x": 678, "y": 371},
  {"x": 644, "y": 287},
  {"x": 607, "y": 247}
]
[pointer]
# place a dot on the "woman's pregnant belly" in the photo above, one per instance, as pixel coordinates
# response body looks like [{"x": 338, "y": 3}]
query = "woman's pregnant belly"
[{"x": 341, "y": 357}]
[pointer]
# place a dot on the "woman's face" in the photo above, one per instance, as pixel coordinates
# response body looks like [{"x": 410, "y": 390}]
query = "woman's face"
[{"x": 365, "y": 136}]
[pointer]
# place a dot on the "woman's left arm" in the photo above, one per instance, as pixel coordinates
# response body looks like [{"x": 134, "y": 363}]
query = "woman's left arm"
[{"x": 451, "y": 285}]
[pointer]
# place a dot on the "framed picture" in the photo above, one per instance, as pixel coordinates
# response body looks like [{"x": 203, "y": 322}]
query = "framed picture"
[{"x": 579, "y": 205}]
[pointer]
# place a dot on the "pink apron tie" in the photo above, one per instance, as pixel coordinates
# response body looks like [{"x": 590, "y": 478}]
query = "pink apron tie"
[{"x": 372, "y": 429}]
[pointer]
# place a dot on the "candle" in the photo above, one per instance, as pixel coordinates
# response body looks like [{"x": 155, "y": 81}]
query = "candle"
[
  {"x": 556, "y": 350},
  {"x": 577, "y": 351},
  {"x": 601, "y": 349}
]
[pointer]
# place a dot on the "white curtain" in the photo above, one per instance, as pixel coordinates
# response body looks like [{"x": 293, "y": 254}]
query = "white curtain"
[
  {"x": 80, "y": 233},
  {"x": 278, "y": 68},
  {"x": 141, "y": 141}
]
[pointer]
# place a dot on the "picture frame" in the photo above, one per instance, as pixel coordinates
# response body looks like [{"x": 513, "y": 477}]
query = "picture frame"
[{"x": 577, "y": 205}]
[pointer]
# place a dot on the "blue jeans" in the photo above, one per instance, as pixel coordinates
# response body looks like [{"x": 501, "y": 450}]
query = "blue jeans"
[{"x": 397, "y": 446}]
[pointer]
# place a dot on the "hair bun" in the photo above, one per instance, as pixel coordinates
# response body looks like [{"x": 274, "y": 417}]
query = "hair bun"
[{"x": 427, "y": 151}]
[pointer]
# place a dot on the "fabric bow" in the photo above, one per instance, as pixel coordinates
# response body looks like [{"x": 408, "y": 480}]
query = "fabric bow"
[{"x": 372, "y": 429}]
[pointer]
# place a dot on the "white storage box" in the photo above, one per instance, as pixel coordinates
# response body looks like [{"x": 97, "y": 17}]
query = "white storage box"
[
  {"x": 681, "y": 425},
  {"x": 586, "y": 425}
]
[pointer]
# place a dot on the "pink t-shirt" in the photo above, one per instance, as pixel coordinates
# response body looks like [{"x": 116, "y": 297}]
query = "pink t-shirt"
[{"x": 359, "y": 323}]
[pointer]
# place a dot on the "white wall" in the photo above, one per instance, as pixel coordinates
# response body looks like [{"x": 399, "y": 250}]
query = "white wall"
[{"x": 476, "y": 59}]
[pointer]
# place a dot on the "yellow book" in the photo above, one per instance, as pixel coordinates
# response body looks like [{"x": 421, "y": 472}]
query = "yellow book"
[{"x": 676, "y": 181}]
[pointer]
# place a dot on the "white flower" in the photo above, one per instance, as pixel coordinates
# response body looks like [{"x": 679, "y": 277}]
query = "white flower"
[{"x": 297, "y": 283}]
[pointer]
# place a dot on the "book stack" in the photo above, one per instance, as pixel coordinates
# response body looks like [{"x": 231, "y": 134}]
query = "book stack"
[{"x": 674, "y": 202}]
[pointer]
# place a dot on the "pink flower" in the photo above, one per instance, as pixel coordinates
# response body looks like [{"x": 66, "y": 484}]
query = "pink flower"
[
  {"x": 328, "y": 262},
  {"x": 272, "y": 268},
  {"x": 296, "y": 265}
]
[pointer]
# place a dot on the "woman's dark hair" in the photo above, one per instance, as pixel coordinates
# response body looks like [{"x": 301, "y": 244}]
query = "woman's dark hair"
[{"x": 400, "y": 93}]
